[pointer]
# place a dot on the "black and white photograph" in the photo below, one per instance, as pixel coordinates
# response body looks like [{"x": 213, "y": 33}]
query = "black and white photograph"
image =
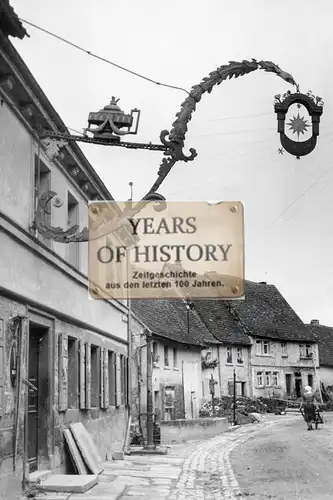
[{"x": 166, "y": 250}]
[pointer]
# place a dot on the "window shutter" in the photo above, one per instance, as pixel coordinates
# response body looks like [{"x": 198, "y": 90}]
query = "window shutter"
[
  {"x": 113, "y": 381},
  {"x": 88, "y": 375},
  {"x": 82, "y": 375},
  {"x": 118, "y": 380},
  {"x": 126, "y": 381},
  {"x": 106, "y": 378},
  {"x": 2, "y": 367},
  {"x": 101, "y": 376},
  {"x": 63, "y": 372},
  {"x": 122, "y": 379}
]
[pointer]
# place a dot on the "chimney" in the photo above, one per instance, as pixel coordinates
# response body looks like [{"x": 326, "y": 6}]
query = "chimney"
[{"x": 315, "y": 322}]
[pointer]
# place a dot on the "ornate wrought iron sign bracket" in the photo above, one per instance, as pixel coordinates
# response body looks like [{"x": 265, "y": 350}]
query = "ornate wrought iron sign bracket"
[{"x": 110, "y": 120}]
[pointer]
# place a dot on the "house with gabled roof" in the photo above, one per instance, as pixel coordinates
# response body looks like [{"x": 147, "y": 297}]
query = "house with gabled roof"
[
  {"x": 323, "y": 335},
  {"x": 284, "y": 354},
  {"x": 179, "y": 336}
]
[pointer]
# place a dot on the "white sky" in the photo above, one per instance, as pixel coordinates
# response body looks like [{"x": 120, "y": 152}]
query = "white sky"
[{"x": 233, "y": 129}]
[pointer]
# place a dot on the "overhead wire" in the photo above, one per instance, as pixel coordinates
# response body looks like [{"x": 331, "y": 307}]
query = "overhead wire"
[{"x": 103, "y": 59}]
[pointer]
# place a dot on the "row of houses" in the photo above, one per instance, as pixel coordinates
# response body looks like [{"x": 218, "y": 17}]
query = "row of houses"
[
  {"x": 64, "y": 358},
  {"x": 272, "y": 352}
]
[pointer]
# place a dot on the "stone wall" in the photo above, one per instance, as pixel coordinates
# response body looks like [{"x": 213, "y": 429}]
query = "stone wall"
[{"x": 181, "y": 431}]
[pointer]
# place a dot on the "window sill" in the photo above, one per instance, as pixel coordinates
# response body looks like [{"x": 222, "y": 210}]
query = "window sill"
[
  {"x": 156, "y": 366},
  {"x": 284, "y": 355},
  {"x": 264, "y": 355},
  {"x": 228, "y": 363},
  {"x": 176, "y": 369},
  {"x": 166, "y": 367},
  {"x": 260, "y": 387}
]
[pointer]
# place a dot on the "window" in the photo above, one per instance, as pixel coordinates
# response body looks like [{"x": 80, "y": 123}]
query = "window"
[
  {"x": 155, "y": 353},
  {"x": 275, "y": 378},
  {"x": 175, "y": 358},
  {"x": 310, "y": 380},
  {"x": 259, "y": 379},
  {"x": 268, "y": 378},
  {"x": 262, "y": 348},
  {"x": 308, "y": 350},
  {"x": 72, "y": 220},
  {"x": 230, "y": 388},
  {"x": 239, "y": 355},
  {"x": 229, "y": 355},
  {"x": 284, "y": 350},
  {"x": 123, "y": 379},
  {"x": 73, "y": 373},
  {"x": 166, "y": 355},
  {"x": 95, "y": 391},
  {"x": 112, "y": 373},
  {"x": 305, "y": 350}
]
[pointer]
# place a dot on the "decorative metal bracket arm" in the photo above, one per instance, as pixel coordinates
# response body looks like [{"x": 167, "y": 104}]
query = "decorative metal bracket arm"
[{"x": 172, "y": 145}]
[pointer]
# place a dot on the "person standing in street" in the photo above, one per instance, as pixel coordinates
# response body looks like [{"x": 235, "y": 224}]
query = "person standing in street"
[{"x": 309, "y": 406}]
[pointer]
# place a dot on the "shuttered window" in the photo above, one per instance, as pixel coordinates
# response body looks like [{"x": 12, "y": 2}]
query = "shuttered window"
[
  {"x": 2, "y": 367},
  {"x": 73, "y": 373},
  {"x": 95, "y": 377}
]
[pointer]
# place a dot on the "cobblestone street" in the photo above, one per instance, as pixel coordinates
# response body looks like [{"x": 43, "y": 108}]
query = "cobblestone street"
[{"x": 198, "y": 470}]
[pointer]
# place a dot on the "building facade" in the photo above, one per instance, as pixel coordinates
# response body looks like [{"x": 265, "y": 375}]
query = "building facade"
[
  {"x": 178, "y": 337},
  {"x": 63, "y": 356},
  {"x": 323, "y": 335}
]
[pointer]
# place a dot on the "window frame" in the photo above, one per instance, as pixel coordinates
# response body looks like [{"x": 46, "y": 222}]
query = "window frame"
[
  {"x": 239, "y": 356},
  {"x": 166, "y": 356},
  {"x": 284, "y": 349},
  {"x": 259, "y": 374},
  {"x": 229, "y": 355}
]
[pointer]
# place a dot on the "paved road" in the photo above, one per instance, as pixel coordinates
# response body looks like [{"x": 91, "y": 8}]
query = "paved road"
[{"x": 286, "y": 462}]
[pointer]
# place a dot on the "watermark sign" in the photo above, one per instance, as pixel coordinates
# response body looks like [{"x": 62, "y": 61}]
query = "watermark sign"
[{"x": 188, "y": 249}]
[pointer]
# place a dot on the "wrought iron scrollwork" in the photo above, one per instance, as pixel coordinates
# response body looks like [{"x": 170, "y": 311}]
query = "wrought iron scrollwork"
[{"x": 172, "y": 143}]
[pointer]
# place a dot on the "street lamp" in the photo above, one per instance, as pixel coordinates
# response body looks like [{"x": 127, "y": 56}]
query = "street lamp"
[
  {"x": 189, "y": 307},
  {"x": 111, "y": 123}
]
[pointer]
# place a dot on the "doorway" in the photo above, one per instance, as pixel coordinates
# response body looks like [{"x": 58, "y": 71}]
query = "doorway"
[
  {"x": 38, "y": 397},
  {"x": 298, "y": 385},
  {"x": 288, "y": 384}
]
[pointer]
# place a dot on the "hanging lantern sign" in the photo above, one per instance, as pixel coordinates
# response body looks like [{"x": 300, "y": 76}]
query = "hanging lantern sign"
[{"x": 300, "y": 138}]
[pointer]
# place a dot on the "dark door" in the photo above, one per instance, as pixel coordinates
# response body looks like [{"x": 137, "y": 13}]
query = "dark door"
[
  {"x": 33, "y": 401},
  {"x": 298, "y": 387},
  {"x": 288, "y": 384}
]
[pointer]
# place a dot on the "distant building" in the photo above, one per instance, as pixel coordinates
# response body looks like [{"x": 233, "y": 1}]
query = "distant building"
[
  {"x": 178, "y": 339},
  {"x": 284, "y": 356},
  {"x": 323, "y": 335}
]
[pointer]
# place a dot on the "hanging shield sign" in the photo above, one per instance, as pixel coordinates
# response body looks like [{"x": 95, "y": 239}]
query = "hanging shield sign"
[{"x": 190, "y": 249}]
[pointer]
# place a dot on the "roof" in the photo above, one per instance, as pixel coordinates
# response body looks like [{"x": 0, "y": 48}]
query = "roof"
[
  {"x": 168, "y": 318},
  {"x": 215, "y": 315},
  {"x": 10, "y": 25},
  {"x": 323, "y": 335},
  {"x": 266, "y": 313}
]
